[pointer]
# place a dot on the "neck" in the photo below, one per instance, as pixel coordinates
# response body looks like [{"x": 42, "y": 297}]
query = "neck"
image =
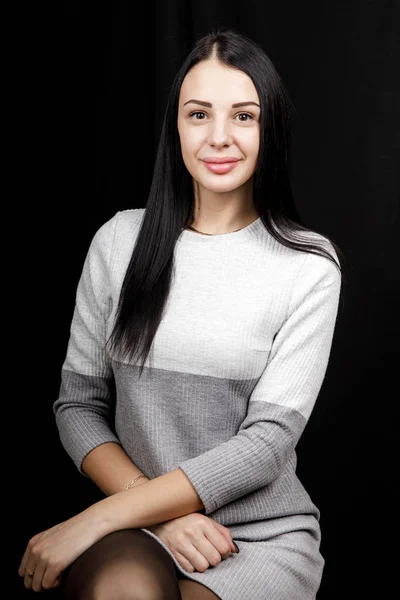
[
  {"x": 209, "y": 228},
  {"x": 222, "y": 232},
  {"x": 216, "y": 213}
]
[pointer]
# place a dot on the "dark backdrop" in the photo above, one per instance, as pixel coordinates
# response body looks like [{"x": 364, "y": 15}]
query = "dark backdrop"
[{"x": 104, "y": 77}]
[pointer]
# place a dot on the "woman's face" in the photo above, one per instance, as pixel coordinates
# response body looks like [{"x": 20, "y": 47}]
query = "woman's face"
[{"x": 210, "y": 126}]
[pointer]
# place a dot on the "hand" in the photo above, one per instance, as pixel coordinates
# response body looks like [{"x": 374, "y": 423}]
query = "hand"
[
  {"x": 50, "y": 552},
  {"x": 196, "y": 541}
]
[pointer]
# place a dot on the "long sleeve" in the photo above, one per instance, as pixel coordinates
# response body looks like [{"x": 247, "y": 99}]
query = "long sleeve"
[
  {"x": 85, "y": 406},
  {"x": 283, "y": 398}
]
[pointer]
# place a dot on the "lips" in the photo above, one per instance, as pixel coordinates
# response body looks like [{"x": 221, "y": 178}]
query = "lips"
[
  {"x": 220, "y": 160},
  {"x": 221, "y": 168}
]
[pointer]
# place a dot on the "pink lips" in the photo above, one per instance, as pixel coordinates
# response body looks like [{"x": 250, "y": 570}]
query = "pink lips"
[
  {"x": 220, "y": 159},
  {"x": 221, "y": 164}
]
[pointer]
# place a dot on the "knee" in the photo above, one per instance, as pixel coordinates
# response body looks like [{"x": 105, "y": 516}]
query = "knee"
[
  {"x": 126, "y": 565},
  {"x": 135, "y": 591},
  {"x": 136, "y": 584}
]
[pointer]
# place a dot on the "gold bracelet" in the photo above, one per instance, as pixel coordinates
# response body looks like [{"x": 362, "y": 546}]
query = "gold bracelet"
[{"x": 133, "y": 481}]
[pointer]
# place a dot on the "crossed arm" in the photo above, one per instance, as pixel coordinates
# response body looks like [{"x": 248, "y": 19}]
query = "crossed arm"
[
  {"x": 166, "y": 497},
  {"x": 158, "y": 500}
]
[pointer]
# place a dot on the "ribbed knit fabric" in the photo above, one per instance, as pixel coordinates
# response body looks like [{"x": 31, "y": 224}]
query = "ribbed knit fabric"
[{"x": 236, "y": 367}]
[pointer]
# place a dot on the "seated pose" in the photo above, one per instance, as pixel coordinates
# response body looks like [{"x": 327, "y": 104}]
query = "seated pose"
[{"x": 199, "y": 342}]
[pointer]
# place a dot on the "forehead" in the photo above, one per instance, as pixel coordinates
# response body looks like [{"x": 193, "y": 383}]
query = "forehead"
[{"x": 212, "y": 81}]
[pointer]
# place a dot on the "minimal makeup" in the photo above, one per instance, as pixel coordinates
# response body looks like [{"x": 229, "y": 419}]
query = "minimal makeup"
[{"x": 219, "y": 117}]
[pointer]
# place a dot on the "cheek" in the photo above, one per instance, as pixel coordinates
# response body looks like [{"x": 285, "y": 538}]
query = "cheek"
[
  {"x": 190, "y": 144},
  {"x": 250, "y": 143},
  {"x": 188, "y": 152}
]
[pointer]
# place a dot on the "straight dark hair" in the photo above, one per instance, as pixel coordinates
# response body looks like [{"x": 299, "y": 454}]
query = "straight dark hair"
[{"x": 170, "y": 205}]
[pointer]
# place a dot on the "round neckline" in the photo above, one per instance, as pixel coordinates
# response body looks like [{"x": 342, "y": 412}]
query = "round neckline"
[{"x": 193, "y": 236}]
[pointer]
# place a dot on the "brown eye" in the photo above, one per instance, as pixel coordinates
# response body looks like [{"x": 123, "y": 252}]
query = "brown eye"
[
  {"x": 245, "y": 115},
  {"x": 197, "y": 112}
]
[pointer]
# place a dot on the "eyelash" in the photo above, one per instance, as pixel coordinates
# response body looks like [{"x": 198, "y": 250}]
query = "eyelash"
[{"x": 197, "y": 112}]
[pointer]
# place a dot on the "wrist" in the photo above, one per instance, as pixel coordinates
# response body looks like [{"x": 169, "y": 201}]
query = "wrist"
[{"x": 138, "y": 480}]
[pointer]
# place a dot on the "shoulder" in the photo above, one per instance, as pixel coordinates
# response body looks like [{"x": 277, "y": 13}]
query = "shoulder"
[
  {"x": 121, "y": 228},
  {"x": 113, "y": 242},
  {"x": 122, "y": 222},
  {"x": 323, "y": 259},
  {"x": 328, "y": 266},
  {"x": 129, "y": 219},
  {"x": 319, "y": 277},
  {"x": 313, "y": 259}
]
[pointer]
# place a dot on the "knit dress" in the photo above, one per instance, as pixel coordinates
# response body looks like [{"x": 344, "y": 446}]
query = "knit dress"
[{"x": 234, "y": 372}]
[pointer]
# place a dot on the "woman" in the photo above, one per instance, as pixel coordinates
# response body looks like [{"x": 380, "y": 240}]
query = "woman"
[{"x": 237, "y": 300}]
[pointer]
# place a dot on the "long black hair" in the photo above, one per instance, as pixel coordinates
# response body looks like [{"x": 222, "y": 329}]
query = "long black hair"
[{"x": 170, "y": 205}]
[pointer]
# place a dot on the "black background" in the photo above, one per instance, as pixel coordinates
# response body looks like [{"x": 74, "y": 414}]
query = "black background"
[{"x": 102, "y": 74}]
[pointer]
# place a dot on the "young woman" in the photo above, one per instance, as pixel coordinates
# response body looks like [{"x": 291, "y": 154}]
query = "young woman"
[{"x": 230, "y": 302}]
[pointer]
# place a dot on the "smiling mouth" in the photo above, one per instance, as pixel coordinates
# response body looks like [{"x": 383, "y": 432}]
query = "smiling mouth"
[
  {"x": 220, "y": 159},
  {"x": 221, "y": 168}
]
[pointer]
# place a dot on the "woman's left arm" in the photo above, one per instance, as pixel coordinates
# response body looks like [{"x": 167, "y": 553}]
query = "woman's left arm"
[{"x": 282, "y": 399}]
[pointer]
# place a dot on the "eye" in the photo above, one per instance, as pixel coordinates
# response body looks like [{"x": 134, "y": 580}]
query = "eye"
[
  {"x": 245, "y": 115},
  {"x": 196, "y": 112}
]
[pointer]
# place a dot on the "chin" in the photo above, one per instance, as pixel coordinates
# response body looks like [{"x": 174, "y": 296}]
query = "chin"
[
  {"x": 220, "y": 182},
  {"x": 223, "y": 187}
]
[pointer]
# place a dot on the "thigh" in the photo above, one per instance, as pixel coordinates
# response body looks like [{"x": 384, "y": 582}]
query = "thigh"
[
  {"x": 125, "y": 565},
  {"x": 192, "y": 590}
]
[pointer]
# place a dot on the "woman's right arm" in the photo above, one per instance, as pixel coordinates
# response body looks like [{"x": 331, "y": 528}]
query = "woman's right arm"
[
  {"x": 111, "y": 469},
  {"x": 85, "y": 408}
]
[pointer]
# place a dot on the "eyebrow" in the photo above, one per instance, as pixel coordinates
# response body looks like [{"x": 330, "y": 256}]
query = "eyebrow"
[{"x": 209, "y": 105}]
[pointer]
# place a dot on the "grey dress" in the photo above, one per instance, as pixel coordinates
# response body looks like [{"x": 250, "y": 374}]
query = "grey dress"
[{"x": 235, "y": 369}]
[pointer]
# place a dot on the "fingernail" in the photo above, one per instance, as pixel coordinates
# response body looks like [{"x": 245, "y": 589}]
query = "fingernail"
[{"x": 236, "y": 546}]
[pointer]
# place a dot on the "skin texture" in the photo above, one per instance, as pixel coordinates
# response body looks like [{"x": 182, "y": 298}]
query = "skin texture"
[
  {"x": 111, "y": 469},
  {"x": 224, "y": 202}
]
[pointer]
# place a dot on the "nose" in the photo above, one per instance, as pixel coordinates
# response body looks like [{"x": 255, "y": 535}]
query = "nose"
[{"x": 219, "y": 133}]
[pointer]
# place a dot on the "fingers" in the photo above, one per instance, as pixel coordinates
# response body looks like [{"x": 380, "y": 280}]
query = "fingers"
[
  {"x": 26, "y": 558},
  {"x": 190, "y": 559},
  {"x": 221, "y": 540},
  {"x": 33, "y": 570},
  {"x": 195, "y": 552},
  {"x": 27, "y": 567},
  {"x": 225, "y": 532},
  {"x": 50, "y": 579},
  {"x": 183, "y": 561},
  {"x": 199, "y": 559},
  {"x": 198, "y": 542},
  {"x": 28, "y": 576},
  {"x": 37, "y": 580},
  {"x": 206, "y": 548},
  {"x": 23, "y": 567}
]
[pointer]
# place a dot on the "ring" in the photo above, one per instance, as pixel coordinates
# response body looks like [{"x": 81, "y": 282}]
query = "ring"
[{"x": 30, "y": 573}]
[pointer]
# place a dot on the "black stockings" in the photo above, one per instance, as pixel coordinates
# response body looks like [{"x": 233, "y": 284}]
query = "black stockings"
[{"x": 129, "y": 565}]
